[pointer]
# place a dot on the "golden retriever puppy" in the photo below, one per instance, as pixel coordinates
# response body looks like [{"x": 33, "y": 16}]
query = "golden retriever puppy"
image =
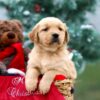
[{"x": 49, "y": 56}]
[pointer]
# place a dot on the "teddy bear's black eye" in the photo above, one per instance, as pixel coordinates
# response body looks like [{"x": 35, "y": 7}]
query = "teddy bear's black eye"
[
  {"x": 45, "y": 29},
  {"x": 60, "y": 28}
]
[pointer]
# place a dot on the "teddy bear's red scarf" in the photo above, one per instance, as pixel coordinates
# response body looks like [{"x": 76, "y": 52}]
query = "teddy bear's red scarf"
[{"x": 18, "y": 60}]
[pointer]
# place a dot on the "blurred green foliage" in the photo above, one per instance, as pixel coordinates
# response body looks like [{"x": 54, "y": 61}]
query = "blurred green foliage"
[{"x": 88, "y": 83}]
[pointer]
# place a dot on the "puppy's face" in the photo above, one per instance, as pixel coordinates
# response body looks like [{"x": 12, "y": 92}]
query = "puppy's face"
[{"x": 50, "y": 33}]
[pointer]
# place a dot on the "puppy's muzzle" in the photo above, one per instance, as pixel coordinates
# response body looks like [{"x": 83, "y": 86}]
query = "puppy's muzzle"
[{"x": 55, "y": 38}]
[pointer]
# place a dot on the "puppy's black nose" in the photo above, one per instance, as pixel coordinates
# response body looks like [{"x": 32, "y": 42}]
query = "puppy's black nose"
[
  {"x": 55, "y": 35},
  {"x": 55, "y": 38},
  {"x": 11, "y": 35}
]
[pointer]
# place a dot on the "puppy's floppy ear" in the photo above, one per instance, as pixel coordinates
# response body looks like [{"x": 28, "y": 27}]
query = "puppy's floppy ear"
[
  {"x": 66, "y": 34},
  {"x": 33, "y": 35}
]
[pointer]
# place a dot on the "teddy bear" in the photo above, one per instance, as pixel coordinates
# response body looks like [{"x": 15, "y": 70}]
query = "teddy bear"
[{"x": 12, "y": 53}]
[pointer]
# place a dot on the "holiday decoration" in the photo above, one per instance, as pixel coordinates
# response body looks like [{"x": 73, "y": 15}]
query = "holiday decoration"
[
  {"x": 37, "y": 8},
  {"x": 65, "y": 86},
  {"x": 15, "y": 89}
]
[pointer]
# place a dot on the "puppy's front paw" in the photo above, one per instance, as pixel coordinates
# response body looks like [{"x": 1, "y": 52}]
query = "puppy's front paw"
[
  {"x": 31, "y": 85},
  {"x": 44, "y": 87}
]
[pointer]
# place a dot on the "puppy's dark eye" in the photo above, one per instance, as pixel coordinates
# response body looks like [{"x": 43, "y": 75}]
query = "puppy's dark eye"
[
  {"x": 60, "y": 28},
  {"x": 45, "y": 29}
]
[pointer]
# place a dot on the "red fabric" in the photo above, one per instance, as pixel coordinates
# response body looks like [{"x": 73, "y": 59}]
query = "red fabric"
[
  {"x": 13, "y": 88},
  {"x": 6, "y": 52},
  {"x": 60, "y": 77},
  {"x": 18, "y": 60}
]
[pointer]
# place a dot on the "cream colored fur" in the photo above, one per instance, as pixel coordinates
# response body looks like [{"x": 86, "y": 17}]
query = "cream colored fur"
[{"x": 47, "y": 58}]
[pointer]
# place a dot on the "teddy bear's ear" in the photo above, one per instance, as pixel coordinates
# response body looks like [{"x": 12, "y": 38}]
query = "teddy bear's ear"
[
  {"x": 66, "y": 34},
  {"x": 33, "y": 35},
  {"x": 18, "y": 23}
]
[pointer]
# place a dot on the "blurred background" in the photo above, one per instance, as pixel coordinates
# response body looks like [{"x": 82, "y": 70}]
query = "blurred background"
[{"x": 83, "y": 20}]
